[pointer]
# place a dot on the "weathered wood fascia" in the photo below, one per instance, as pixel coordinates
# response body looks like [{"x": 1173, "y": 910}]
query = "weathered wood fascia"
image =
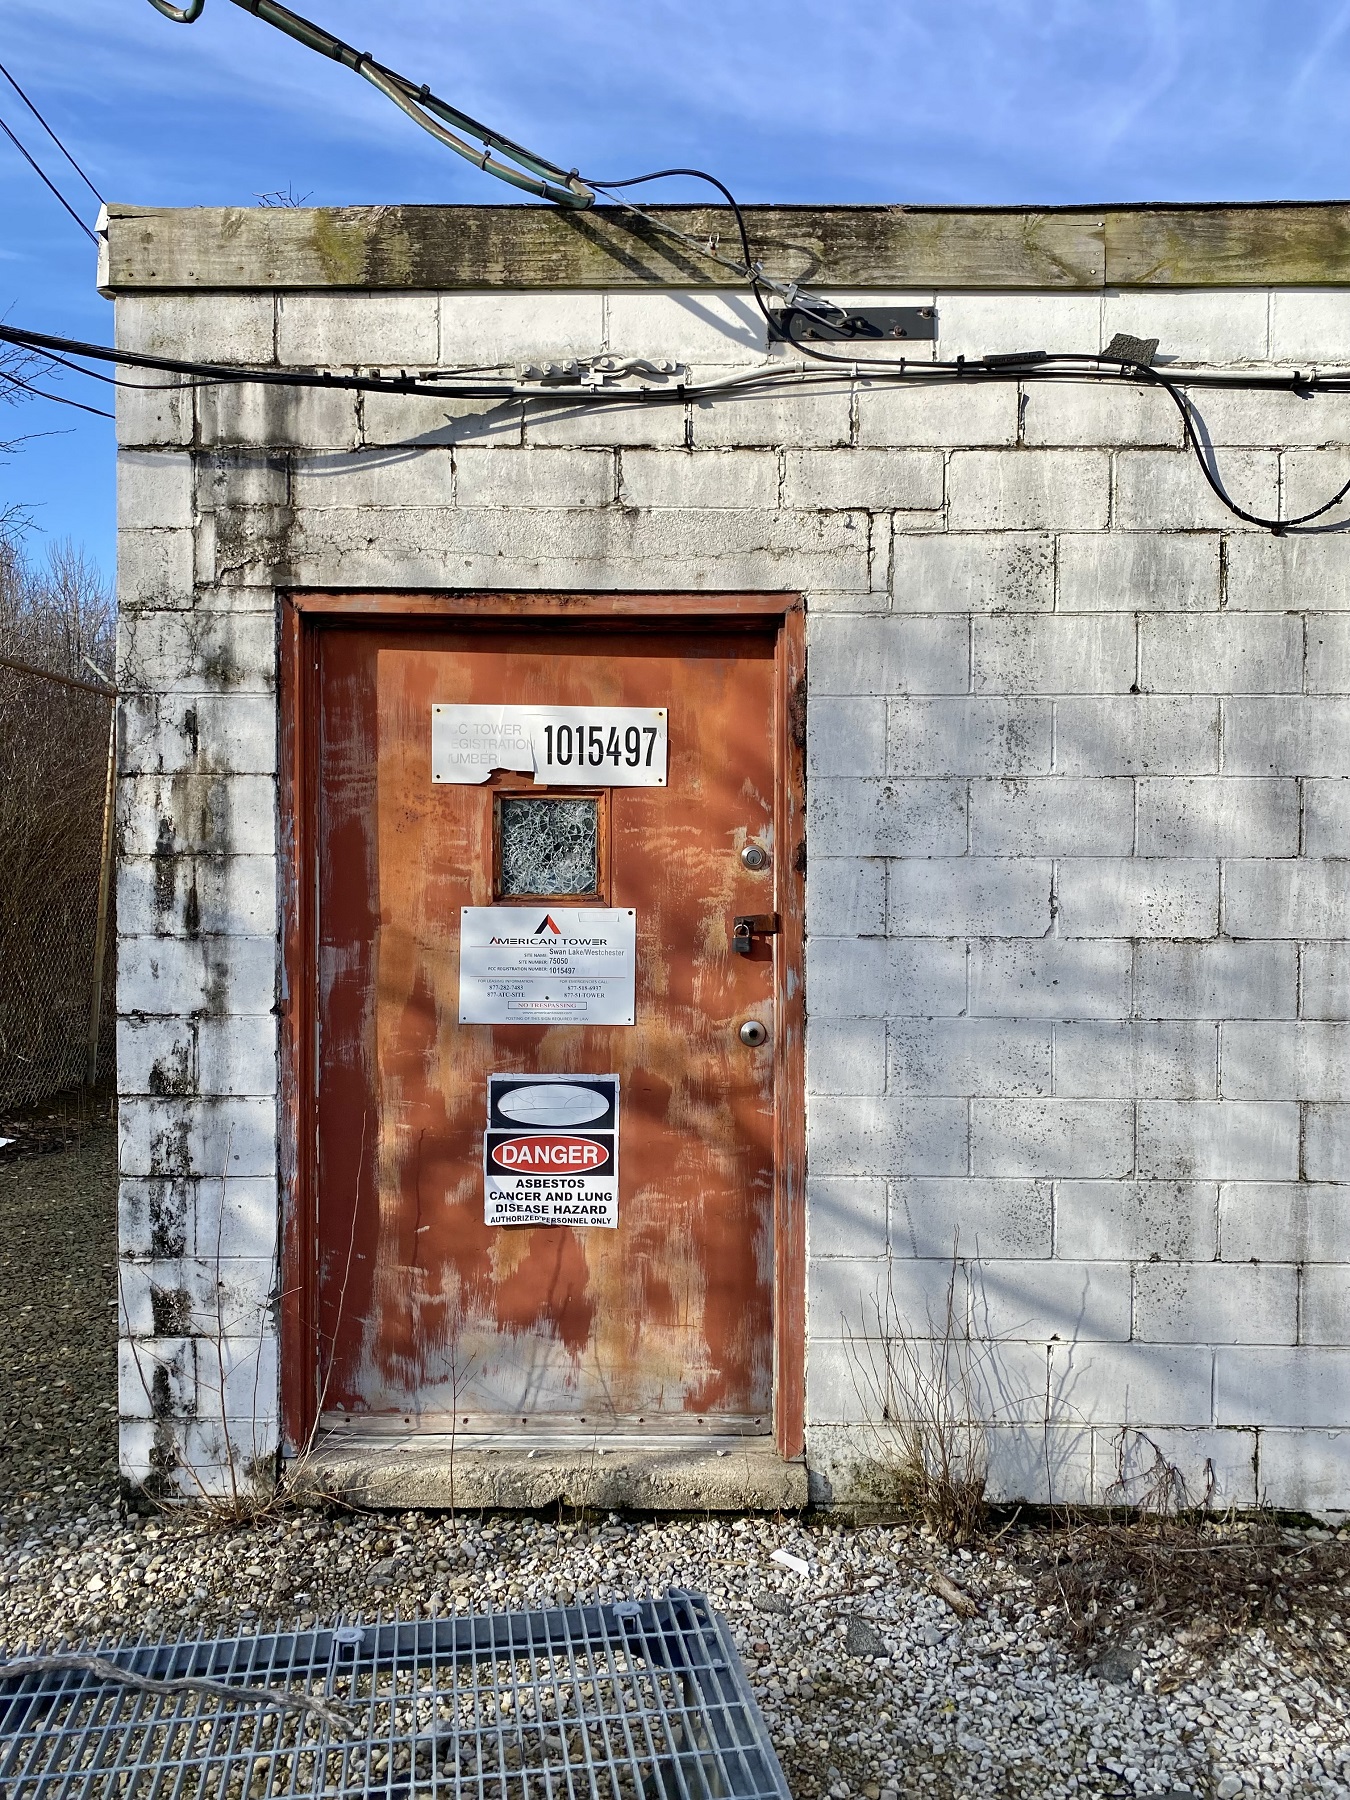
[{"x": 895, "y": 249}]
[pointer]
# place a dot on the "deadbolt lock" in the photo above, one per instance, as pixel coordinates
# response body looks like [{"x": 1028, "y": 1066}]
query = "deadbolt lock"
[
  {"x": 746, "y": 927},
  {"x": 753, "y": 1034},
  {"x": 755, "y": 856}
]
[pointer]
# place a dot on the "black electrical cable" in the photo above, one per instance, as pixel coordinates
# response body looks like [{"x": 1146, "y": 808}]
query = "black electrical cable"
[
  {"x": 51, "y": 134},
  {"x": 1033, "y": 367},
  {"x": 48, "y": 183},
  {"x": 60, "y": 399}
]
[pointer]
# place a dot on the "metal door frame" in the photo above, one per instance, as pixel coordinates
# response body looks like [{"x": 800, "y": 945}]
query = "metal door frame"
[{"x": 303, "y": 616}]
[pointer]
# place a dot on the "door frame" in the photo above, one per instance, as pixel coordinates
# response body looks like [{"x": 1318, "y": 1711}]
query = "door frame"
[{"x": 303, "y": 617}]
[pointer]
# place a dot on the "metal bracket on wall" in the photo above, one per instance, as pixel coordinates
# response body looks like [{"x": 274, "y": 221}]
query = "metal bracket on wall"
[{"x": 867, "y": 324}]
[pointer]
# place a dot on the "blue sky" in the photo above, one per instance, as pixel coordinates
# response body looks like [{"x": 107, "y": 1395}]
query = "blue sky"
[{"x": 972, "y": 101}]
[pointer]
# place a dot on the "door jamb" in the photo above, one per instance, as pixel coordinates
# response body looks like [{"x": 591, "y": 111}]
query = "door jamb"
[{"x": 302, "y": 614}]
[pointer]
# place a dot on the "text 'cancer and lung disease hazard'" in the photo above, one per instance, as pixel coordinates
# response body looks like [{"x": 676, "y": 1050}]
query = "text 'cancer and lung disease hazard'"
[
  {"x": 566, "y": 746},
  {"x": 551, "y": 1150}
]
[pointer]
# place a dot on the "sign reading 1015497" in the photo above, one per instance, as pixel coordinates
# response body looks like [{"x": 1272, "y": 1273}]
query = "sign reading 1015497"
[{"x": 576, "y": 746}]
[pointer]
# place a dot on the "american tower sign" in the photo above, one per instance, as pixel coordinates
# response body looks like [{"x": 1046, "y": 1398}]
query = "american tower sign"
[{"x": 547, "y": 965}]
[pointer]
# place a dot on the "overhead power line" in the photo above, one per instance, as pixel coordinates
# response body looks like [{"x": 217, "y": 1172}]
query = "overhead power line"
[
  {"x": 48, "y": 183},
  {"x": 51, "y": 134}
]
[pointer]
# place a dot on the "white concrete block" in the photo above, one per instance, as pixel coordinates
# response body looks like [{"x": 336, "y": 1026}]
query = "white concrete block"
[
  {"x": 886, "y": 818},
  {"x": 156, "y": 1378},
  {"x": 1312, "y": 478},
  {"x": 1028, "y": 490},
  {"x": 1216, "y": 981},
  {"x": 1195, "y": 816},
  {"x": 381, "y": 478},
  {"x": 1224, "y": 1140},
  {"x": 822, "y": 600},
  {"x": 961, "y": 735},
  {"x": 237, "y": 1382},
  {"x": 175, "y": 977},
  {"x": 424, "y": 422},
  {"x": 235, "y": 1218},
  {"x": 857, "y": 1296},
  {"x": 1281, "y": 1386},
  {"x": 1198, "y": 326},
  {"x": 969, "y": 1056},
  {"x": 879, "y": 1135},
  {"x": 973, "y": 572},
  {"x": 182, "y": 1057},
  {"x": 969, "y": 896},
  {"x": 871, "y": 978},
  {"x": 1171, "y": 1221},
  {"x": 789, "y": 418},
  {"x": 154, "y": 569},
  {"x": 1273, "y": 420},
  {"x": 1280, "y": 574},
  {"x": 1295, "y": 1222},
  {"x": 693, "y": 327},
  {"x": 971, "y": 1218},
  {"x": 1140, "y": 1384},
  {"x": 1215, "y": 1303},
  {"x": 227, "y": 734},
  {"x": 1327, "y": 670},
  {"x": 213, "y": 1138},
  {"x": 154, "y": 410},
  {"x": 1326, "y": 1142},
  {"x": 1049, "y": 978},
  {"x": 889, "y": 656},
  {"x": 1138, "y": 734},
  {"x": 607, "y": 423},
  {"x": 847, "y": 736},
  {"x": 1039, "y": 1138},
  {"x": 600, "y": 549},
  {"x": 1060, "y": 816},
  {"x": 1138, "y": 571},
  {"x": 1108, "y": 1058},
  {"x": 838, "y": 1376},
  {"x": 197, "y": 812},
  {"x": 1324, "y": 1306},
  {"x": 1040, "y": 1465},
  {"x": 1325, "y": 992},
  {"x": 155, "y": 1218},
  {"x": 1085, "y": 1302},
  {"x": 535, "y": 478},
  {"x": 367, "y": 331},
  {"x": 845, "y": 1056},
  {"x": 1164, "y": 490},
  {"x": 199, "y": 327},
  {"x": 1217, "y": 1469},
  {"x": 1224, "y": 653},
  {"x": 976, "y": 325},
  {"x": 1308, "y": 1061},
  {"x": 1306, "y": 1472},
  {"x": 1057, "y": 653},
  {"x": 1286, "y": 897},
  {"x": 237, "y": 1056},
  {"x": 846, "y": 1216},
  {"x": 846, "y": 897},
  {"x": 1092, "y": 412},
  {"x": 154, "y": 490},
  {"x": 197, "y": 652},
  {"x": 194, "y": 1297},
  {"x": 942, "y": 416},
  {"x": 242, "y": 476},
  {"x": 279, "y": 417},
  {"x": 700, "y": 478},
  {"x": 1310, "y": 325},
  {"x": 879, "y": 480},
  {"x": 1138, "y": 896},
  {"x": 500, "y": 329}
]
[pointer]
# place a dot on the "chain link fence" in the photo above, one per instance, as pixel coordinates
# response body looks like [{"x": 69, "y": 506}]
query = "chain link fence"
[{"x": 57, "y": 1025}]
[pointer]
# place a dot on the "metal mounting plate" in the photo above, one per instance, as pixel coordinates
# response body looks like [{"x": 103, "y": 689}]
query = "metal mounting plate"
[{"x": 860, "y": 324}]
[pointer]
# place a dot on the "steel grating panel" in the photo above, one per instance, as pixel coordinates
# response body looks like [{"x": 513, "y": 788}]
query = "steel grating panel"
[{"x": 627, "y": 1700}]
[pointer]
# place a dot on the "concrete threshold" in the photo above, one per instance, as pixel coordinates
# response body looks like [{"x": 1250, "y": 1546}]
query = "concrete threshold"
[{"x": 646, "y": 1473}]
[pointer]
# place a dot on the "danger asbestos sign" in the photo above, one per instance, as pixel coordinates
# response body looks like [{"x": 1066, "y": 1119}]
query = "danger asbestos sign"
[{"x": 551, "y": 1150}]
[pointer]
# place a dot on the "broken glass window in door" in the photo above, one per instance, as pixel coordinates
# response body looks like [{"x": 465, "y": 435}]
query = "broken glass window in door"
[{"x": 548, "y": 847}]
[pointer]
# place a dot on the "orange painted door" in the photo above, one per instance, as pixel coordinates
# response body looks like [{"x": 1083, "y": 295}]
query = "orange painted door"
[{"x": 422, "y": 1310}]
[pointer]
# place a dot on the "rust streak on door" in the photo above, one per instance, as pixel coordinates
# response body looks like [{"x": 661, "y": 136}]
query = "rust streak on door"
[{"x": 419, "y": 1308}]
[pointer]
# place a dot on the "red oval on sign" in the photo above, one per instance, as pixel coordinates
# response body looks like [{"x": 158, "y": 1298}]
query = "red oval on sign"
[{"x": 548, "y": 1153}]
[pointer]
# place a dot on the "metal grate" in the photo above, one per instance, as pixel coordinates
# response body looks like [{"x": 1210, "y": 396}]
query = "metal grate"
[{"x": 631, "y": 1700}]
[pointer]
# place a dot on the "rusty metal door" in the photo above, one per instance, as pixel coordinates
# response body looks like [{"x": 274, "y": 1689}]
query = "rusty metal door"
[{"x": 421, "y": 1309}]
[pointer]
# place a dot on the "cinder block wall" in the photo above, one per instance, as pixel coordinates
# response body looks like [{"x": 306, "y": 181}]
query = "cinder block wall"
[{"x": 1078, "y": 975}]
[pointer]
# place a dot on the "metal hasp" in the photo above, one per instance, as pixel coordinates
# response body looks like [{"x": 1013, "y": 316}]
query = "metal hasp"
[
  {"x": 860, "y": 324},
  {"x": 746, "y": 927},
  {"x": 607, "y": 1702}
]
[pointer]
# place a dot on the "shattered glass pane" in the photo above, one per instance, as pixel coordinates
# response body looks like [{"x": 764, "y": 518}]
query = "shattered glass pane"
[{"x": 549, "y": 846}]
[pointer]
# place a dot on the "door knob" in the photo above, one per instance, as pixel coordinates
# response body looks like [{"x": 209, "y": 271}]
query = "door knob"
[{"x": 753, "y": 1034}]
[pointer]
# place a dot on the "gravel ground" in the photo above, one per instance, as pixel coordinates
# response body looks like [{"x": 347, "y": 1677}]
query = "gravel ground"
[{"x": 871, "y": 1684}]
